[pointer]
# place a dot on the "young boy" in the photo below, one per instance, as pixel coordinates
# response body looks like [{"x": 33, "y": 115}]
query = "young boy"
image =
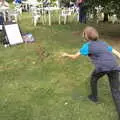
[{"x": 105, "y": 64}]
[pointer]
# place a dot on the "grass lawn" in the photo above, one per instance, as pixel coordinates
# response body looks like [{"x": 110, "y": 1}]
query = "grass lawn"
[{"x": 37, "y": 84}]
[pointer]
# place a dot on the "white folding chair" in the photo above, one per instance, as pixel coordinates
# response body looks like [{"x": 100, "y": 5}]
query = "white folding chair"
[
  {"x": 12, "y": 14},
  {"x": 113, "y": 18},
  {"x": 100, "y": 17},
  {"x": 65, "y": 14},
  {"x": 35, "y": 15},
  {"x": 18, "y": 9},
  {"x": 1, "y": 28}
]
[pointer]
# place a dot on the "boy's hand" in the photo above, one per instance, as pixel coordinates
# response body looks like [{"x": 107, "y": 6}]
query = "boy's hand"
[{"x": 64, "y": 54}]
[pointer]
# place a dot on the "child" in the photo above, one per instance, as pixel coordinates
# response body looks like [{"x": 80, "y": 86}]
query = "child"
[{"x": 105, "y": 64}]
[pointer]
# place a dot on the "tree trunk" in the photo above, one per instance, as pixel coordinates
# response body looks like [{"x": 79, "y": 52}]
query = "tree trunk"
[{"x": 105, "y": 17}]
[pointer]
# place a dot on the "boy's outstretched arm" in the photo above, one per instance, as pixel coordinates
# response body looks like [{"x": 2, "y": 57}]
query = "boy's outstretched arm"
[
  {"x": 72, "y": 56},
  {"x": 116, "y": 53}
]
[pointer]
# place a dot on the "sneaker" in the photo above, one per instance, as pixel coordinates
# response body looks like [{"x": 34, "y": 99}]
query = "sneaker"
[{"x": 93, "y": 98}]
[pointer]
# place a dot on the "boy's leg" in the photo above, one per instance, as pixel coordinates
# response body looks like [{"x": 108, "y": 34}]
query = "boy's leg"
[
  {"x": 114, "y": 79},
  {"x": 93, "y": 83}
]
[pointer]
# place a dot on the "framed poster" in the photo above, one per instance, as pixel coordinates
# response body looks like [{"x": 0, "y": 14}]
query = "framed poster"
[{"x": 13, "y": 34}]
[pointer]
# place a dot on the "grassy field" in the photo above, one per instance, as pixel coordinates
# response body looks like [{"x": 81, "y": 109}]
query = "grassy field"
[{"x": 37, "y": 84}]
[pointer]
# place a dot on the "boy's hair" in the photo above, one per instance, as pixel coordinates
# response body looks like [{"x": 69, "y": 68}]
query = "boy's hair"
[{"x": 91, "y": 33}]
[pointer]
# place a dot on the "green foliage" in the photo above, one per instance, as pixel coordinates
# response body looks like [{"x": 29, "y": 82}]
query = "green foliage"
[
  {"x": 9, "y": 1},
  {"x": 109, "y": 5}
]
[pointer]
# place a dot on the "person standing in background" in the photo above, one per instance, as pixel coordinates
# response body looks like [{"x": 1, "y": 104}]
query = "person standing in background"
[{"x": 82, "y": 10}]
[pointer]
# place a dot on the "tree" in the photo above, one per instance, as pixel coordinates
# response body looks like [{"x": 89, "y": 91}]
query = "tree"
[{"x": 109, "y": 6}]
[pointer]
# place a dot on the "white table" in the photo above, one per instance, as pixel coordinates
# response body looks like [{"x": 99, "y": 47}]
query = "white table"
[{"x": 50, "y": 9}]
